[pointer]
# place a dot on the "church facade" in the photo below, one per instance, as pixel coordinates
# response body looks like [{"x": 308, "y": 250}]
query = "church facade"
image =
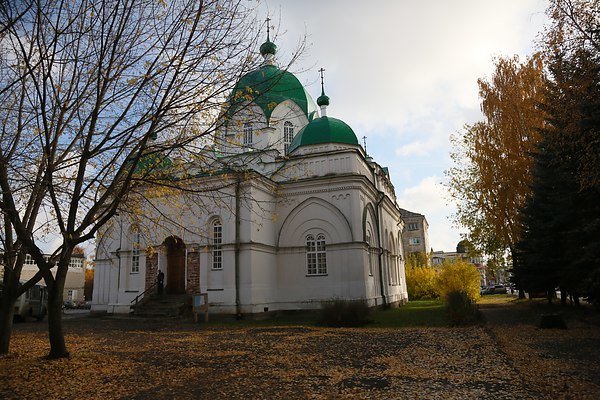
[{"x": 297, "y": 214}]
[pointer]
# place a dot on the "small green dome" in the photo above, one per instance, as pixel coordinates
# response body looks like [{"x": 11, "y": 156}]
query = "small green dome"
[
  {"x": 269, "y": 86},
  {"x": 268, "y": 47},
  {"x": 151, "y": 163},
  {"x": 324, "y": 130},
  {"x": 323, "y": 100}
]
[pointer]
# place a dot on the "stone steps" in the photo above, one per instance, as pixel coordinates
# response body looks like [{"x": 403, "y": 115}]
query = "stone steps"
[{"x": 162, "y": 306}]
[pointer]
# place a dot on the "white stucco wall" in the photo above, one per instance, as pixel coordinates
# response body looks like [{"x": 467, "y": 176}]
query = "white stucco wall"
[{"x": 318, "y": 189}]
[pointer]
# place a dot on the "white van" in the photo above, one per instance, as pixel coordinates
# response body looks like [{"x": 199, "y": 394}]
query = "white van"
[{"x": 32, "y": 304}]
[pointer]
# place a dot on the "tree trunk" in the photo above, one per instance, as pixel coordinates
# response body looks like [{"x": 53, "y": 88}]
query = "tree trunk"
[
  {"x": 58, "y": 347},
  {"x": 7, "y": 313}
]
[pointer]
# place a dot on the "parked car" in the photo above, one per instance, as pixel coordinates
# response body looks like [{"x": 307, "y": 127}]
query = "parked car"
[
  {"x": 69, "y": 305},
  {"x": 495, "y": 289}
]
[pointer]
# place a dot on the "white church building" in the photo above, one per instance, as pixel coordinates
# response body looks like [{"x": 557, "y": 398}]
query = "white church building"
[{"x": 304, "y": 216}]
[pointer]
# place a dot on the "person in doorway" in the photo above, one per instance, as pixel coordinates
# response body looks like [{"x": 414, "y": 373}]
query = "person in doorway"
[{"x": 160, "y": 280}]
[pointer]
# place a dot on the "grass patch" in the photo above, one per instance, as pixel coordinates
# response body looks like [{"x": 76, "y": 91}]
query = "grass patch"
[
  {"x": 417, "y": 313},
  {"x": 344, "y": 313},
  {"x": 497, "y": 298}
]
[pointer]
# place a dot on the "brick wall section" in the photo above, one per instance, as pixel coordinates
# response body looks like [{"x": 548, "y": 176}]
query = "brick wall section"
[
  {"x": 151, "y": 269},
  {"x": 193, "y": 272}
]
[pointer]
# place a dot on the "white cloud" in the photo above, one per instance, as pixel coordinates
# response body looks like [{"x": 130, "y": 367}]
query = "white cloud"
[
  {"x": 391, "y": 60},
  {"x": 427, "y": 196},
  {"x": 417, "y": 148}
]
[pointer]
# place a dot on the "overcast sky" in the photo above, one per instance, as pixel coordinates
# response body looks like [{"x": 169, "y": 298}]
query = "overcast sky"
[{"x": 404, "y": 74}]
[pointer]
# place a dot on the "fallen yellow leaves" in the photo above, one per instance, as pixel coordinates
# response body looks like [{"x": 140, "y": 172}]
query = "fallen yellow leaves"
[{"x": 113, "y": 359}]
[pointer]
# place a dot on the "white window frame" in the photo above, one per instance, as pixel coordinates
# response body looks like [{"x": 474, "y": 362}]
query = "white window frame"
[
  {"x": 413, "y": 226},
  {"x": 288, "y": 135},
  {"x": 135, "y": 251},
  {"x": 414, "y": 241},
  {"x": 76, "y": 262},
  {"x": 316, "y": 255},
  {"x": 247, "y": 135},
  {"x": 217, "y": 239},
  {"x": 28, "y": 260}
]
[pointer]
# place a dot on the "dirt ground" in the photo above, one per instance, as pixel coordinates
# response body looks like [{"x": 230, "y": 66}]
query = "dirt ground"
[{"x": 506, "y": 358}]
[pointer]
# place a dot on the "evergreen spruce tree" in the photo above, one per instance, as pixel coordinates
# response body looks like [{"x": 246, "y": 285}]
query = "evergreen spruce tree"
[{"x": 560, "y": 243}]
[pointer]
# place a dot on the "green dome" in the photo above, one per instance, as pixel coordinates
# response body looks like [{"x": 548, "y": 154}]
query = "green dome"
[
  {"x": 323, "y": 100},
  {"x": 324, "y": 130},
  {"x": 269, "y": 86},
  {"x": 268, "y": 47}
]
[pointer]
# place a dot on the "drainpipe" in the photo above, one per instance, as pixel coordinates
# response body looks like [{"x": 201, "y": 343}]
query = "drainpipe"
[
  {"x": 238, "y": 306},
  {"x": 381, "y": 196},
  {"x": 119, "y": 257}
]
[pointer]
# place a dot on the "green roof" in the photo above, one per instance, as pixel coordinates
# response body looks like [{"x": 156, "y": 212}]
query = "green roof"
[
  {"x": 152, "y": 162},
  {"x": 269, "y": 86},
  {"x": 324, "y": 130}
]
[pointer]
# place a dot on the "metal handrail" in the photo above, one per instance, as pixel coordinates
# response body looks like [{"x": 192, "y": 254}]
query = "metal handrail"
[{"x": 143, "y": 293}]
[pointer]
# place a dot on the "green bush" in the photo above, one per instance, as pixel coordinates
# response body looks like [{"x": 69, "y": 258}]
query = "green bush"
[
  {"x": 421, "y": 283},
  {"x": 461, "y": 308},
  {"x": 347, "y": 313}
]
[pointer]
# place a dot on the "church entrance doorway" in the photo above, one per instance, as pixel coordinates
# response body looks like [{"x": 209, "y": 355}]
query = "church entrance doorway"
[{"x": 175, "y": 265}]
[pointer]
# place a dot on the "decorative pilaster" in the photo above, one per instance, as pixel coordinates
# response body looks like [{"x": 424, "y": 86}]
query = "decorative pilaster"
[
  {"x": 193, "y": 271},
  {"x": 151, "y": 269}
]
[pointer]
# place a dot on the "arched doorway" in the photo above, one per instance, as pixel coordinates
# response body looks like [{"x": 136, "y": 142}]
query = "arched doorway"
[{"x": 175, "y": 265}]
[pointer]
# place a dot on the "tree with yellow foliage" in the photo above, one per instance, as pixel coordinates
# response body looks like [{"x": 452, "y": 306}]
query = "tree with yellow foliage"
[{"x": 491, "y": 177}]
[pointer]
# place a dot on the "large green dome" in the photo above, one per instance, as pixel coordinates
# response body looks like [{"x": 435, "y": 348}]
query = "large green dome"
[
  {"x": 269, "y": 86},
  {"x": 324, "y": 130}
]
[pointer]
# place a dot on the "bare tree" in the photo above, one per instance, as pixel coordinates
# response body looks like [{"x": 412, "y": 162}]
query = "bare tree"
[
  {"x": 96, "y": 95},
  {"x": 11, "y": 12}
]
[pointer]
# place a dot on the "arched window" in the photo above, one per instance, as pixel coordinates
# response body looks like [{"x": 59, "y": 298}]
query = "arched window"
[
  {"x": 316, "y": 256},
  {"x": 247, "y": 134},
  {"x": 369, "y": 253},
  {"x": 217, "y": 261},
  {"x": 392, "y": 262},
  {"x": 135, "y": 250},
  {"x": 288, "y": 134},
  {"x": 370, "y": 248}
]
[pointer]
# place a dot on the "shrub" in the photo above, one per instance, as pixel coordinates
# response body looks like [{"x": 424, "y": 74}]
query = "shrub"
[
  {"x": 459, "y": 276},
  {"x": 347, "y": 313},
  {"x": 461, "y": 308},
  {"x": 421, "y": 283}
]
